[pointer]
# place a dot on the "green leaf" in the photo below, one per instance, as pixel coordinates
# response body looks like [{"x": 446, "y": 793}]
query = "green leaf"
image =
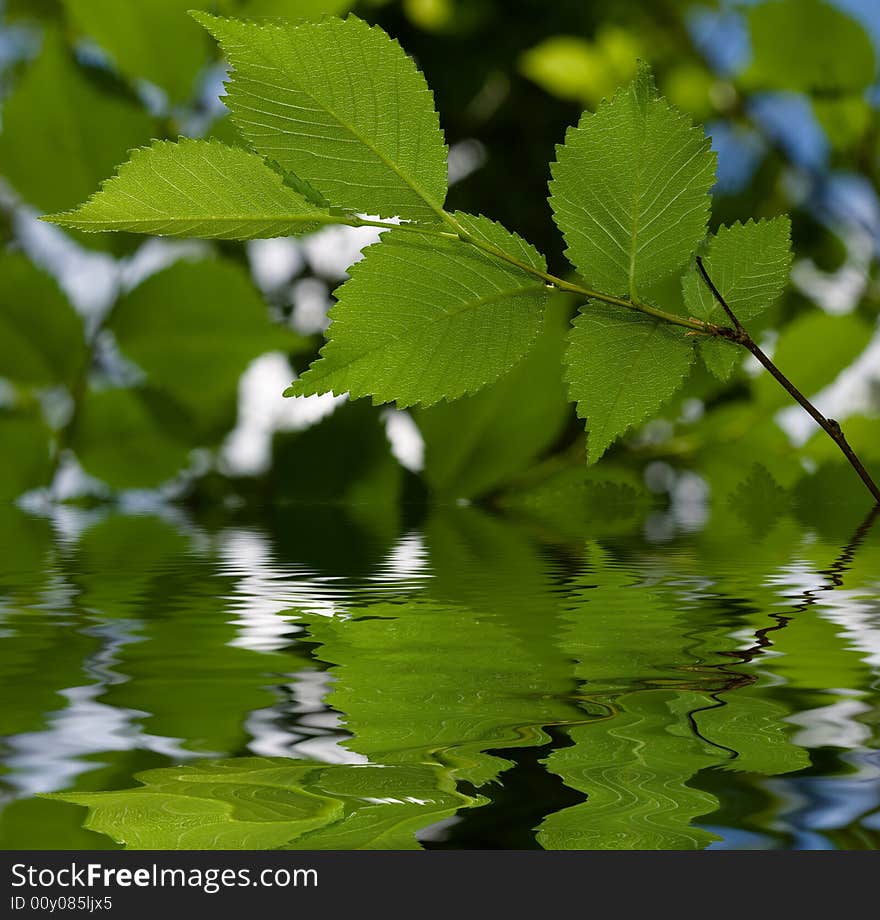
[
  {"x": 57, "y": 159},
  {"x": 196, "y": 188},
  {"x": 424, "y": 319},
  {"x": 41, "y": 337},
  {"x": 478, "y": 443},
  {"x": 193, "y": 329},
  {"x": 132, "y": 438},
  {"x": 813, "y": 351},
  {"x": 253, "y": 804},
  {"x": 153, "y": 40},
  {"x": 25, "y": 458},
  {"x": 808, "y": 46},
  {"x": 630, "y": 190},
  {"x": 260, "y": 803},
  {"x": 621, "y": 368},
  {"x": 749, "y": 264},
  {"x": 340, "y": 105}
]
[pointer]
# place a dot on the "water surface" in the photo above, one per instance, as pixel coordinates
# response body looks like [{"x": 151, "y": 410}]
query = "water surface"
[{"x": 312, "y": 678}]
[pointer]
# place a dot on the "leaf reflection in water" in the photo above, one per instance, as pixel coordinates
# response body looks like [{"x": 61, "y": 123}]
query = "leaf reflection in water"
[{"x": 674, "y": 695}]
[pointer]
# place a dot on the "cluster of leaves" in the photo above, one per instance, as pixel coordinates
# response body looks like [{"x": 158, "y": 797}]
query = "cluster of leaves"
[
  {"x": 818, "y": 64},
  {"x": 136, "y": 425},
  {"x": 449, "y": 303},
  {"x": 450, "y": 306}
]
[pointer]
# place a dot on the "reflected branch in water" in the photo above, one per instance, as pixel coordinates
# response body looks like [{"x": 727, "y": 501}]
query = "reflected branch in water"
[{"x": 834, "y": 573}]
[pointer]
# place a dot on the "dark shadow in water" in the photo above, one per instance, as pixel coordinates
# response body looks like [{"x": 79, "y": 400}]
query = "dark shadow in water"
[{"x": 517, "y": 805}]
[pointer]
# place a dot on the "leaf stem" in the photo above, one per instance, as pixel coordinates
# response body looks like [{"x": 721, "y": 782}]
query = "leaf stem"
[
  {"x": 693, "y": 325},
  {"x": 830, "y": 426}
]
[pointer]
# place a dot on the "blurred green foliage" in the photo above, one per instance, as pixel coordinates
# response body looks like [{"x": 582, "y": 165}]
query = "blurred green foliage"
[{"x": 143, "y": 390}]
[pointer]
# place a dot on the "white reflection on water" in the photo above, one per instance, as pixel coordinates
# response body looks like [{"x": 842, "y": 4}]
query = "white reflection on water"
[
  {"x": 317, "y": 732},
  {"x": 269, "y": 596},
  {"x": 52, "y": 759}
]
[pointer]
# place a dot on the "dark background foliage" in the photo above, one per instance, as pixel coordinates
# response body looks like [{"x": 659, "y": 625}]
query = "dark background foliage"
[{"x": 142, "y": 365}]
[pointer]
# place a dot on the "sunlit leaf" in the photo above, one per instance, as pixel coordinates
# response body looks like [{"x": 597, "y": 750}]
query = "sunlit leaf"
[
  {"x": 749, "y": 264},
  {"x": 630, "y": 190},
  {"x": 583, "y": 71},
  {"x": 419, "y": 320},
  {"x": 372, "y": 144},
  {"x": 196, "y": 188},
  {"x": 622, "y": 367},
  {"x": 477, "y": 443}
]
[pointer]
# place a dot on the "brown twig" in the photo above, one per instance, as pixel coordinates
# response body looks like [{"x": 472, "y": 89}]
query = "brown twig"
[{"x": 830, "y": 426}]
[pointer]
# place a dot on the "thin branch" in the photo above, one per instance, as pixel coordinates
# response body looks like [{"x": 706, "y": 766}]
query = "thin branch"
[
  {"x": 737, "y": 325},
  {"x": 830, "y": 426},
  {"x": 692, "y": 325}
]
